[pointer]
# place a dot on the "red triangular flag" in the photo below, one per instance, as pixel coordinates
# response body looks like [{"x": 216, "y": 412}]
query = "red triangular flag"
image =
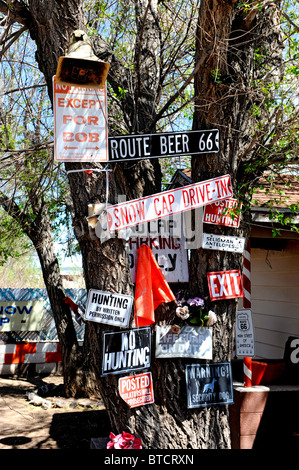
[{"x": 152, "y": 288}]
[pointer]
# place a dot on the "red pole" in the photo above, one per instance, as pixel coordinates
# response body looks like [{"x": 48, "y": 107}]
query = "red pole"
[{"x": 247, "y": 371}]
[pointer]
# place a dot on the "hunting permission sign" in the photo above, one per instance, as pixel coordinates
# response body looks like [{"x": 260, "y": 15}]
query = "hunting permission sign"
[{"x": 107, "y": 307}]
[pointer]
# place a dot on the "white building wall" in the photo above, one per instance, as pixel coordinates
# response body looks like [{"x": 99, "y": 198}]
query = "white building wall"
[{"x": 274, "y": 298}]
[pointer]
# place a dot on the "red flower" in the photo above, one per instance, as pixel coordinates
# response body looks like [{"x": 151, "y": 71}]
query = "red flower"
[{"x": 124, "y": 441}]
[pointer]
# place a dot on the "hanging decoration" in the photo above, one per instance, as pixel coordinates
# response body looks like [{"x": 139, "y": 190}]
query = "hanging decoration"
[{"x": 152, "y": 288}]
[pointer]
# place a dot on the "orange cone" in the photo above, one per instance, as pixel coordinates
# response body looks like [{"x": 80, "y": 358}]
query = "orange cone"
[{"x": 152, "y": 288}]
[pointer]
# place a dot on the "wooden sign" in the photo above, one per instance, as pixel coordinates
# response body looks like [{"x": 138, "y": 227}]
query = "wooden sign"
[
  {"x": 210, "y": 241},
  {"x": 130, "y": 213},
  {"x": 244, "y": 334},
  {"x": 169, "y": 253},
  {"x": 126, "y": 351},
  {"x": 168, "y": 144},
  {"x": 80, "y": 124},
  {"x": 209, "y": 384},
  {"x": 192, "y": 341},
  {"x": 137, "y": 390},
  {"x": 219, "y": 213},
  {"x": 109, "y": 308},
  {"x": 225, "y": 284}
]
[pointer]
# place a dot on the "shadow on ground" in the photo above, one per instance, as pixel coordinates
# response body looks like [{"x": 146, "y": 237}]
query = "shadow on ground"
[
  {"x": 75, "y": 430},
  {"x": 24, "y": 426}
]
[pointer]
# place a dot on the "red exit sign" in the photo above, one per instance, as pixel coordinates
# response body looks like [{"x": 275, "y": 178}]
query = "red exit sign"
[{"x": 225, "y": 284}]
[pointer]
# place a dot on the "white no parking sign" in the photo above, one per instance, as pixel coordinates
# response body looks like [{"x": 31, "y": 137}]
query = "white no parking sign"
[{"x": 81, "y": 132}]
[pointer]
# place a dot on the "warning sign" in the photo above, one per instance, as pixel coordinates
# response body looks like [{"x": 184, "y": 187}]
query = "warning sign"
[
  {"x": 80, "y": 124},
  {"x": 137, "y": 390},
  {"x": 209, "y": 384}
]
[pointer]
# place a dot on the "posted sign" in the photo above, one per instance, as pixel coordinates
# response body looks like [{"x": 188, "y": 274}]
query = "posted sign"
[
  {"x": 209, "y": 384},
  {"x": 107, "y": 307},
  {"x": 137, "y": 211},
  {"x": 126, "y": 351},
  {"x": 137, "y": 390},
  {"x": 225, "y": 284},
  {"x": 219, "y": 213},
  {"x": 80, "y": 124},
  {"x": 192, "y": 341}
]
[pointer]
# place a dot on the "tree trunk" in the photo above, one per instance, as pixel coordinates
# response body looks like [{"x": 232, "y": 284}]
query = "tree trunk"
[
  {"x": 40, "y": 233},
  {"x": 70, "y": 350},
  {"x": 225, "y": 96},
  {"x": 167, "y": 423}
]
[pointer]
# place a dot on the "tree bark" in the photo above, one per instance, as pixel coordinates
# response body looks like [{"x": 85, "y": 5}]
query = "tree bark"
[
  {"x": 166, "y": 424},
  {"x": 226, "y": 91}
]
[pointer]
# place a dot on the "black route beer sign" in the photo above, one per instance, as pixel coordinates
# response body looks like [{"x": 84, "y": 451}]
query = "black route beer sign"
[
  {"x": 168, "y": 144},
  {"x": 209, "y": 384}
]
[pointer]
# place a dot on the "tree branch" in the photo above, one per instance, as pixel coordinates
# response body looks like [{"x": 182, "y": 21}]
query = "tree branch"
[
  {"x": 177, "y": 94},
  {"x": 15, "y": 11},
  {"x": 290, "y": 21},
  {"x": 12, "y": 209}
]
